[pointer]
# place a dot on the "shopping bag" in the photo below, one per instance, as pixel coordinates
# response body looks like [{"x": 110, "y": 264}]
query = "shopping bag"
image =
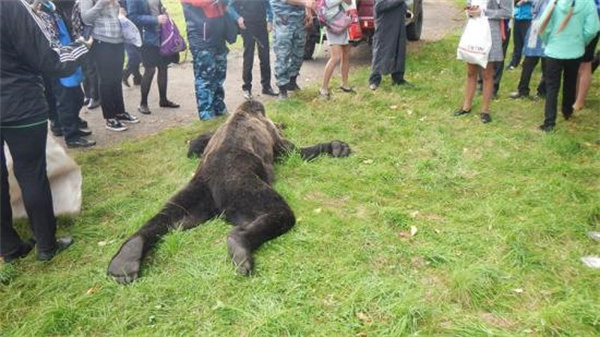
[
  {"x": 476, "y": 42},
  {"x": 65, "y": 181},
  {"x": 131, "y": 33}
]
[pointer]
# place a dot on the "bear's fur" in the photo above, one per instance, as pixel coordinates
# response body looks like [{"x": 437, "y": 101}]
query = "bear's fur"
[{"x": 235, "y": 179}]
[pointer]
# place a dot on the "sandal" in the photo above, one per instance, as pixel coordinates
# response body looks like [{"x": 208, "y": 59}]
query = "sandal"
[
  {"x": 461, "y": 112},
  {"x": 324, "y": 94},
  {"x": 347, "y": 89},
  {"x": 485, "y": 117}
]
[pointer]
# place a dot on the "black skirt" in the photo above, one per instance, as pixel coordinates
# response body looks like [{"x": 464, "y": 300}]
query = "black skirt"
[{"x": 151, "y": 57}]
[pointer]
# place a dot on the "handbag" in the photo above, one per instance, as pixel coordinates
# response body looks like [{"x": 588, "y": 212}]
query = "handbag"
[
  {"x": 476, "y": 42},
  {"x": 171, "y": 42},
  {"x": 339, "y": 23}
]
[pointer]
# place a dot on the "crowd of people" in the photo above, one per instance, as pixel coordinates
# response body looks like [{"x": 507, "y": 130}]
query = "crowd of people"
[{"x": 78, "y": 48}]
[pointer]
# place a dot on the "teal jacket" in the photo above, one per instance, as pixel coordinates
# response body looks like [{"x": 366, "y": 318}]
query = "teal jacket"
[{"x": 582, "y": 28}]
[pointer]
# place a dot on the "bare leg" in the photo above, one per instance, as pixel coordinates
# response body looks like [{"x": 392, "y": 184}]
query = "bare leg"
[
  {"x": 345, "y": 65},
  {"x": 488, "y": 86},
  {"x": 472, "y": 73},
  {"x": 334, "y": 60},
  {"x": 583, "y": 84},
  {"x": 187, "y": 209}
]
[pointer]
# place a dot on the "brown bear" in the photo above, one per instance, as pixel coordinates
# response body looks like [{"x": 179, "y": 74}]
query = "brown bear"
[{"x": 235, "y": 179}]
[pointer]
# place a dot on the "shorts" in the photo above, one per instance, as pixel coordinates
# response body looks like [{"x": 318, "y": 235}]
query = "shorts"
[{"x": 590, "y": 49}]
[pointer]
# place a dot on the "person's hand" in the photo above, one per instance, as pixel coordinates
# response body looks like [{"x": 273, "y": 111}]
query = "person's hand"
[
  {"x": 520, "y": 3},
  {"x": 474, "y": 11},
  {"x": 309, "y": 4},
  {"x": 308, "y": 21},
  {"x": 241, "y": 23},
  {"x": 348, "y": 2},
  {"x": 122, "y": 11},
  {"x": 162, "y": 19},
  {"x": 269, "y": 27}
]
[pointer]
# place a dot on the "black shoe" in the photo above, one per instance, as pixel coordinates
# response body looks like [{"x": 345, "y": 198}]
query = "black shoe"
[
  {"x": 144, "y": 109},
  {"x": 349, "y": 90},
  {"x": 567, "y": 115},
  {"x": 510, "y": 67},
  {"x": 24, "y": 248},
  {"x": 269, "y": 92},
  {"x": 283, "y": 95},
  {"x": 546, "y": 128},
  {"x": 125, "y": 79},
  {"x": 168, "y": 104},
  {"x": 93, "y": 104},
  {"x": 83, "y": 124},
  {"x": 517, "y": 95},
  {"x": 461, "y": 112},
  {"x": 373, "y": 86},
  {"x": 115, "y": 125},
  {"x": 61, "y": 244},
  {"x": 247, "y": 95},
  {"x": 84, "y": 132},
  {"x": 80, "y": 142},
  {"x": 404, "y": 83},
  {"x": 137, "y": 79},
  {"x": 485, "y": 117},
  {"x": 86, "y": 101},
  {"x": 293, "y": 85},
  {"x": 57, "y": 132}
]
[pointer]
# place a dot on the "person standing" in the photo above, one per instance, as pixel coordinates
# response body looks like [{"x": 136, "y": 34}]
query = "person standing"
[
  {"x": 584, "y": 79},
  {"x": 389, "y": 43},
  {"x": 567, "y": 27},
  {"x": 149, "y": 15},
  {"x": 255, "y": 19},
  {"x": 340, "y": 52},
  {"x": 207, "y": 29},
  {"x": 533, "y": 51},
  {"x": 108, "y": 53},
  {"x": 26, "y": 52},
  {"x": 290, "y": 19},
  {"x": 67, "y": 90},
  {"x": 523, "y": 14},
  {"x": 495, "y": 11}
]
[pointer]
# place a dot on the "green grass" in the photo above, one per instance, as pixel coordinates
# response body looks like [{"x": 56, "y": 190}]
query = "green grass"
[{"x": 502, "y": 212}]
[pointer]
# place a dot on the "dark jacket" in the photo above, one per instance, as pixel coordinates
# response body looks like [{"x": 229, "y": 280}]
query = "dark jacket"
[
  {"x": 207, "y": 24},
  {"x": 251, "y": 10},
  {"x": 26, "y": 55},
  {"x": 139, "y": 12}
]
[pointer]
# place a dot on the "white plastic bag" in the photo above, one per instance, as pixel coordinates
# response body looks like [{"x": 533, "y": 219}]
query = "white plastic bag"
[
  {"x": 476, "y": 42},
  {"x": 131, "y": 34},
  {"x": 65, "y": 181}
]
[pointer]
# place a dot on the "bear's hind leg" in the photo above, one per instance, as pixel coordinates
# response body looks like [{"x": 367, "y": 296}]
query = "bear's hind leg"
[
  {"x": 187, "y": 209},
  {"x": 274, "y": 219}
]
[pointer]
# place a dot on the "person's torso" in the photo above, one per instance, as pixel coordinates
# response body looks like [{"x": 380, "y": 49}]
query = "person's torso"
[
  {"x": 281, "y": 8},
  {"x": 252, "y": 10},
  {"x": 524, "y": 12},
  {"x": 107, "y": 27},
  {"x": 569, "y": 43},
  {"x": 205, "y": 29}
]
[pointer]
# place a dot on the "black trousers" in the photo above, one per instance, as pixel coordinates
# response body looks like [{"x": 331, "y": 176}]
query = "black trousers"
[
  {"x": 520, "y": 31},
  {"x": 256, "y": 34},
  {"x": 91, "y": 82},
  {"x": 28, "y": 149},
  {"x": 109, "y": 59},
  {"x": 69, "y": 103},
  {"x": 529, "y": 64},
  {"x": 52, "y": 103},
  {"x": 557, "y": 70}
]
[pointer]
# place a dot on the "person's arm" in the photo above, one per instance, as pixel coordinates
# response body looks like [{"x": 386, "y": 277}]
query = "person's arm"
[
  {"x": 135, "y": 8},
  {"x": 386, "y": 5},
  {"x": 305, "y": 3},
  {"x": 90, "y": 12},
  {"x": 233, "y": 13},
  {"x": 591, "y": 24},
  {"x": 200, "y": 3},
  {"x": 27, "y": 35}
]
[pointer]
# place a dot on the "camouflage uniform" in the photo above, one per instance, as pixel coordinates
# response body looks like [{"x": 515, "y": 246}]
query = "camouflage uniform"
[
  {"x": 210, "y": 69},
  {"x": 289, "y": 40}
]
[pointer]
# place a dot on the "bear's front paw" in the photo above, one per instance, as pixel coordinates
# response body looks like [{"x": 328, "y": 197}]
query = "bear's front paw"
[
  {"x": 339, "y": 149},
  {"x": 125, "y": 266}
]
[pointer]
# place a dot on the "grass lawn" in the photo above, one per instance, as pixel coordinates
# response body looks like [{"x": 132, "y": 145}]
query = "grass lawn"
[{"x": 500, "y": 212}]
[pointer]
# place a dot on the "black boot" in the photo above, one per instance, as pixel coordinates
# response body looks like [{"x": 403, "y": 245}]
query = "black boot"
[
  {"x": 283, "y": 93},
  {"x": 293, "y": 85}
]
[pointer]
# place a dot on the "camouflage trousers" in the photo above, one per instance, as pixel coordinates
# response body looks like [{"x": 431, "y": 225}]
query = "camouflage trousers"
[
  {"x": 288, "y": 45},
  {"x": 210, "y": 69}
]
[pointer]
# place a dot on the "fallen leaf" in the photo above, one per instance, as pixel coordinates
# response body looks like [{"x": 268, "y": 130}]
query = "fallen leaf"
[
  {"x": 437, "y": 231},
  {"x": 393, "y": 107},
  {"x": 518, "y": 290},
  {"x": 409, "y": 112},
  {"x": 413, "y": 230},
  {"x": 414, "y": 214},
  {"x": 93, "y": 290},
  {"x": 363, "y": 318},
  {"x": 318, "y": 210},
  {"x": 102, "y": 243},
  {"x": 422, "y": 119},
  {"x": 368, "y": 161}
]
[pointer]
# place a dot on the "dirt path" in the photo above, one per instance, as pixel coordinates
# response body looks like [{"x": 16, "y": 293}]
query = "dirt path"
[{"x": 441, "y": 17}]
